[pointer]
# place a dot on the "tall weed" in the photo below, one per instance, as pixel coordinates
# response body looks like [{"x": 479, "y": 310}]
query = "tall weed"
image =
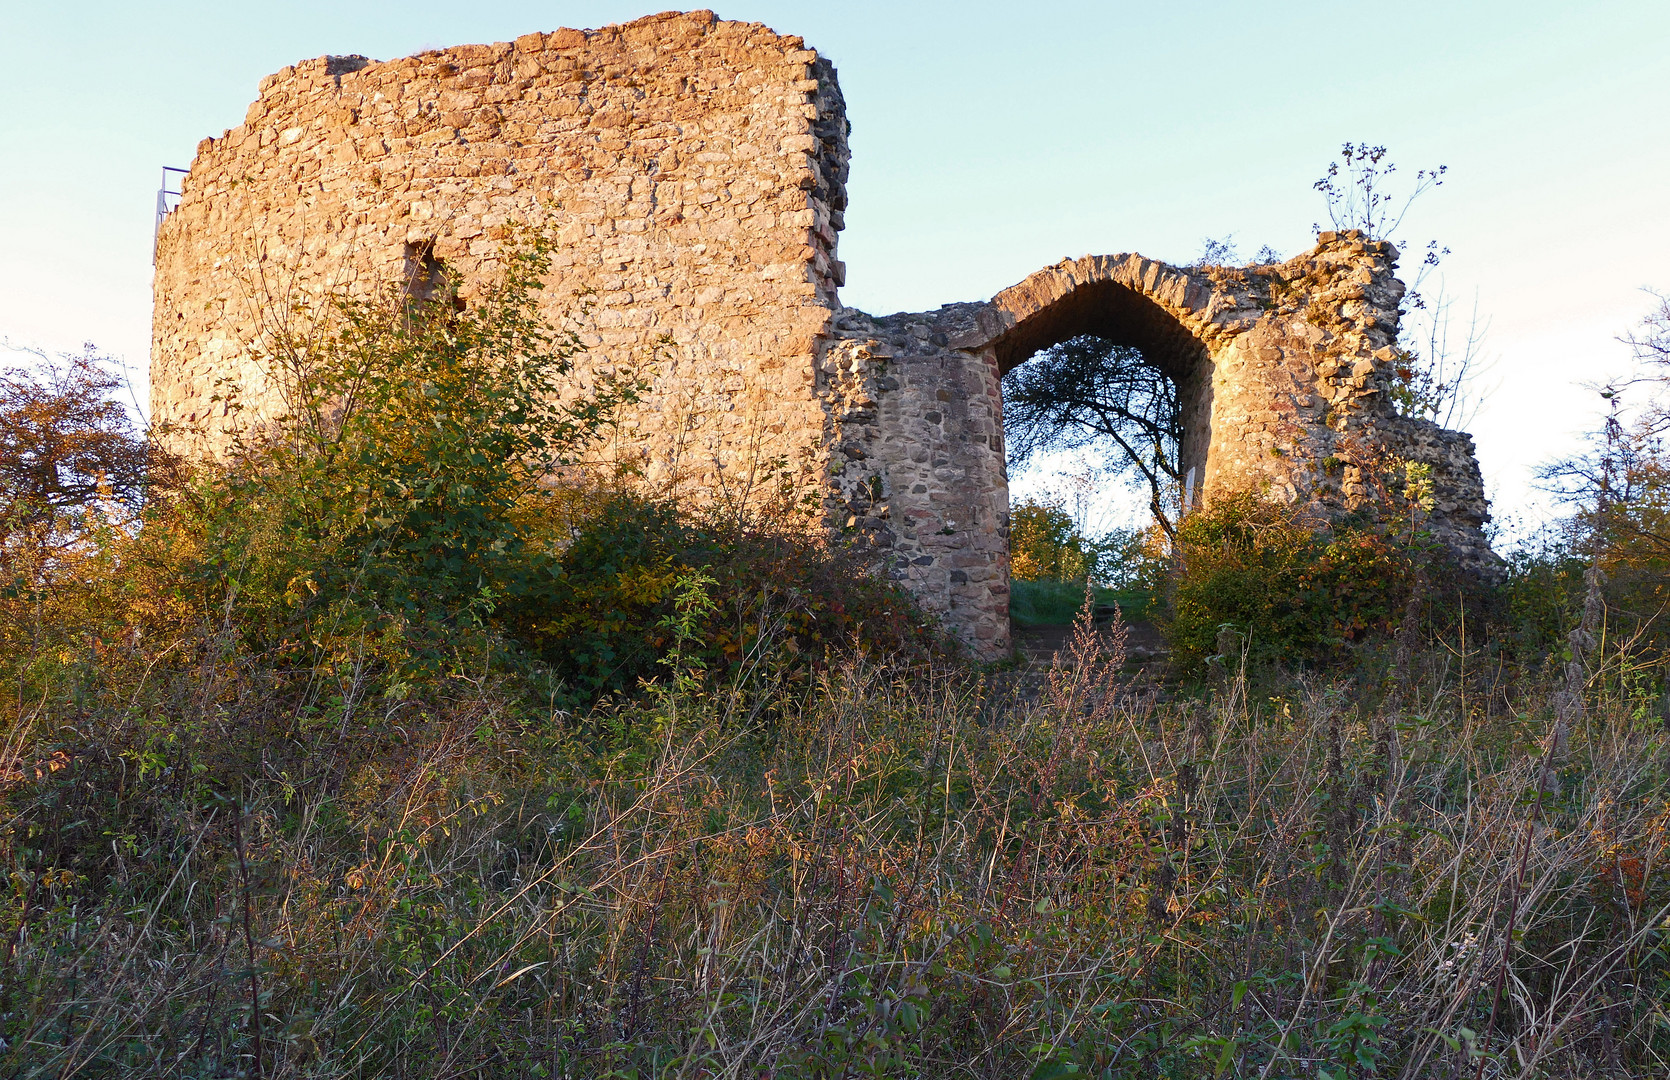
[{"x": 890, "y": 872}]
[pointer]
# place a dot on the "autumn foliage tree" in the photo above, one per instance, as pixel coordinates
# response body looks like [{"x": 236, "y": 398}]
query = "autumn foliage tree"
[
  {"x": 1620, "y": 485},
  {"x": 73, "y": 476},
  {"x": 70, "y": 458}
]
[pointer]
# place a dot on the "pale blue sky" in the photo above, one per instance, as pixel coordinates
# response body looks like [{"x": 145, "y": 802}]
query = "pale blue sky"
[{"x": 989, "y": 140}]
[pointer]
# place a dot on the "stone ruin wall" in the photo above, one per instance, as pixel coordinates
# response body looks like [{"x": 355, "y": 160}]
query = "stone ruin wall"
[
  {"x": 693, "y": 173},
  {"x": 1284, "y": 372}
]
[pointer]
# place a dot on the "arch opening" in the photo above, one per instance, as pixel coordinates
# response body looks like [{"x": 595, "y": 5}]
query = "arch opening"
[
  {"x": 1114, "y": 410},
  {"x": 1107, "y": 370}
]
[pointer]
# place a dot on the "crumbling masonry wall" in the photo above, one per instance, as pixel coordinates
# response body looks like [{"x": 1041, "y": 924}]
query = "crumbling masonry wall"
[
  {"x": 1284, "y": 372},
  {"x": 693, "y": 172}
]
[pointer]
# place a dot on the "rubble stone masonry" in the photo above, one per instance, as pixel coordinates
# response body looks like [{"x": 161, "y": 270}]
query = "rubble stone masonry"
[{"x": 693, "y": 173}]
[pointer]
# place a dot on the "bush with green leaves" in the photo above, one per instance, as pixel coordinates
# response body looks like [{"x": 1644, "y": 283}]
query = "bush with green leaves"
[
  {"x": 425, "y": 493},
  {"x": 419, "y": 439},
  {"x": 597, "y": 610},
  {"x": 1291, "y": 589}
]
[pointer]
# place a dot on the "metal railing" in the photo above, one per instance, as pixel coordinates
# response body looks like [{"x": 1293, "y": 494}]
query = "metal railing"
[{"x": 164, "y": 206}]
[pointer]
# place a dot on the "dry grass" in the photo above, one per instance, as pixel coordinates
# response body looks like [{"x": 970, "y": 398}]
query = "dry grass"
[{"x": 892, "y": 873}]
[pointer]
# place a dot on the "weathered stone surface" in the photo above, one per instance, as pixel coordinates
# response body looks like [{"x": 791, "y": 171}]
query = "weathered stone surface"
[
  {"x": 1283, "y": 371},
  {"x": 693, "y": 171}
]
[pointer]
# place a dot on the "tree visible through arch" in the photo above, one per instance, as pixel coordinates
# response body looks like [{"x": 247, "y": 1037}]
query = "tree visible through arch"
[{"x": 1089, "y": 392}]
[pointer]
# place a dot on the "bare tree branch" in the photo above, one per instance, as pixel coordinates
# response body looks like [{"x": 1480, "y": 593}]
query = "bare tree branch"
[{"x": 1088, "y": 391}]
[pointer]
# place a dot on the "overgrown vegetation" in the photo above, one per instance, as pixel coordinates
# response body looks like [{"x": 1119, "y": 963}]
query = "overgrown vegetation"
[
  {"x": 1051, "y": 558},
  {"x": 1294, "y": 589},
  {"x": 410, "y": 742},
  {"x": 895, "y": 873}
]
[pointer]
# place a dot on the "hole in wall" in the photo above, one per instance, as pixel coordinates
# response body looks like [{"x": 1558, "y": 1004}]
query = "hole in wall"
[
  {"x": 428, "y": 280},
  {"x": 1107, "y": 405}
]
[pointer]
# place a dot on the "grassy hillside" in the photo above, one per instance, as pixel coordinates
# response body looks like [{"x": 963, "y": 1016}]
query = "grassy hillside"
[
  {"x": 407, "y": 742},
  {"x": 234, "y": 869}
]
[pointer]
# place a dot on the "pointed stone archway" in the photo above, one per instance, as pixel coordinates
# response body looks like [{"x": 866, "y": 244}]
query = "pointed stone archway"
[{"x": 1283, "y": 372}]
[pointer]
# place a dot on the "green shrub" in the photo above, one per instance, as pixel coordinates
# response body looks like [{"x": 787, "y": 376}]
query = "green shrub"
[
  {"x": 598, "y": 612},
  {"x": 426, "y": 484},
  {"x": 1293, "y": 588},
  {"x": 419, "y": 441},
  {"x": 1540, "y": 598}
]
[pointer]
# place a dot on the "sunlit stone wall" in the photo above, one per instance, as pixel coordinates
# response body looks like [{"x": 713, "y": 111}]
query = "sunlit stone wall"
[{"x": 693, "y": 173}]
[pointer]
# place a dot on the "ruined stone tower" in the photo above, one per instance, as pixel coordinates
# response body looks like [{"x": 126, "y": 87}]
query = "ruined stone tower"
[{"x": 693, "y": 172}]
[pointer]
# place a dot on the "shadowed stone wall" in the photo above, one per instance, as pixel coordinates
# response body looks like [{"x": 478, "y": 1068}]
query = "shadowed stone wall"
[{"x": 693, "y": 171}]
